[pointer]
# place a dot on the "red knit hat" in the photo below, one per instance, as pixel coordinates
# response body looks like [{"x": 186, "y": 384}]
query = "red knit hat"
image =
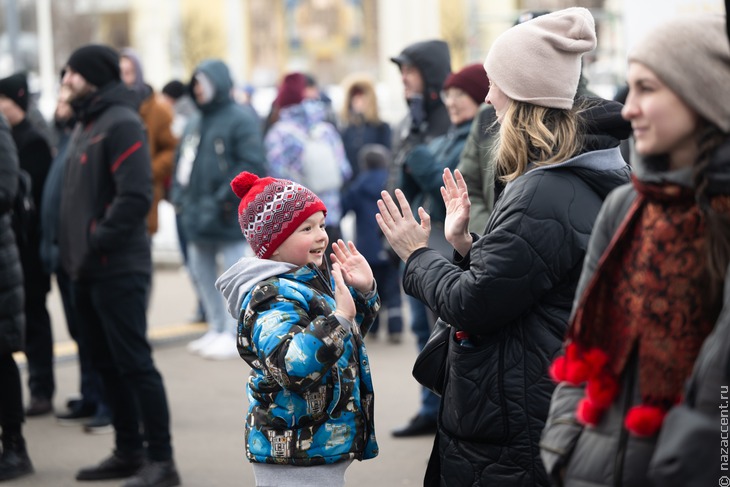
[
  {"x": 472, "y": 79},
  {"x": 291, "y": 90},
  {"x": 271, "y": 209}
]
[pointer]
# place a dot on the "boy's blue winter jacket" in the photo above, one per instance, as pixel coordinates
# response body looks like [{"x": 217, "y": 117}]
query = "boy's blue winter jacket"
[{"x": 310, "y": 391}]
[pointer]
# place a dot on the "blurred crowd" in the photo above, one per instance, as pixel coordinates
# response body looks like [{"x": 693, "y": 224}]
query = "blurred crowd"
[{"x": 491, "y": 207}]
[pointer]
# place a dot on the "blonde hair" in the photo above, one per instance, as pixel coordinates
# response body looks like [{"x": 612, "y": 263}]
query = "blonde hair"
[
  {"x": 534, "y": 134},
  {"x": 360, "y": 83}
]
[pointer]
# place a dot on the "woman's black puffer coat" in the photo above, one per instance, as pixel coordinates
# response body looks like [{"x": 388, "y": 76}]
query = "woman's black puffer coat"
[
  {"x": 513, "y": 294},
  {"x": 12, "y": 318}
]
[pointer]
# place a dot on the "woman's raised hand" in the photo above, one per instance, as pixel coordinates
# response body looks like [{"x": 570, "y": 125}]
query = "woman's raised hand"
[
  {"x": 355, "y": 269},
  {"x": 403, "y": 232},
  {"x": 456, "y": 199}
]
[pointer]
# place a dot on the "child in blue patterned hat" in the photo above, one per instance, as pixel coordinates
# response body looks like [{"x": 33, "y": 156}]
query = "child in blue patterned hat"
[{"x": 300, "y": 328}]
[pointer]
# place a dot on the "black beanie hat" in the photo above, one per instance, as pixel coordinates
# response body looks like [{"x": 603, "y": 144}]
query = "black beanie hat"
[
  {"x": 98, "y": 64},
  {"x": 15, "y": 87},
  {"x": 174, "y": 89}
]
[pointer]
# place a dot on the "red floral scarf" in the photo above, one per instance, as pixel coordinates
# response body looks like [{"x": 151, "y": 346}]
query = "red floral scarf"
[{"x": 645, "y": 295}]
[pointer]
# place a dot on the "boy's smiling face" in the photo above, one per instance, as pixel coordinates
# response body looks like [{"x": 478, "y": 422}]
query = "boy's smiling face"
[{"x": 306, "y": 245}]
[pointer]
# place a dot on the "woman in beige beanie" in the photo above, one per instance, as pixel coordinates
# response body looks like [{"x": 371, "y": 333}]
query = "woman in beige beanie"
[
  {"x": 652, "y": 285},
  {"x": 508, "y": 293}
]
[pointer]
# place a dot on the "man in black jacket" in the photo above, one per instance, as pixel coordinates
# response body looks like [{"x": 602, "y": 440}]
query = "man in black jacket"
[
  {"x": 35, "y": 158},
  {"x": 105, "y": 249},
  {"x": 424, "y": 67}
]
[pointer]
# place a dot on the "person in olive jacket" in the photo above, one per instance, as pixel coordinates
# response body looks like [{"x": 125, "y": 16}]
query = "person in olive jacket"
[
  {"x": 14, "y": 461},
  {"x": 508, "y": 293}
]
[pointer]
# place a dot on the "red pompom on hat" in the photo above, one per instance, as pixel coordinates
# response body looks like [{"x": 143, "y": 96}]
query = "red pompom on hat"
[{"x": 271, "y": 209}]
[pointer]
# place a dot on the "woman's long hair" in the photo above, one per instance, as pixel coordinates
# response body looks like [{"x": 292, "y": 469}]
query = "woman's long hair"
[
  {"x": 360, "y": 84},
  {"x": 717, "y": 223},
  {"x": 534, "y": 134}
]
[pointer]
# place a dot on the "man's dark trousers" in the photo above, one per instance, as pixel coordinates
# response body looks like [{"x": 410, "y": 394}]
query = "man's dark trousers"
[{"x": 112, "y": 315}]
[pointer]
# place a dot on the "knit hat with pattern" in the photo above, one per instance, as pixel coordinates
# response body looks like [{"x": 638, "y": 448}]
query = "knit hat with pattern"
[
  {"x": 691, "y": 55},
  {"x": 539, "y": 61},
  {"x": 271, "y": 209}
]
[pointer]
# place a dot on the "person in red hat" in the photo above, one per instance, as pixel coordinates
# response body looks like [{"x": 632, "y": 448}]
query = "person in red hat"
[
  {"x": 462, "y": 94},
  {"x": 300, "y": 328},
  {"x": 302, "y": 129}
]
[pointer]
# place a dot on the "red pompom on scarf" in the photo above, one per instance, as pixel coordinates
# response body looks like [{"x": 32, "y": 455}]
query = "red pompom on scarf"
[
  {"x": 577, "y": 365},
  {"x": 602, "y": 390},
  {"x": 588, "y": 413},
  {"x": 644, "y": 420}
]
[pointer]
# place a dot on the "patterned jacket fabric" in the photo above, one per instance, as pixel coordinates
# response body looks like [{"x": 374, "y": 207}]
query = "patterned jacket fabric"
[{"x": 310, "y": 391}]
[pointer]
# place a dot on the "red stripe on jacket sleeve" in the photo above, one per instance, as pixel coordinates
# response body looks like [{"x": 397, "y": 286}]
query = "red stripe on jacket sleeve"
[{"x": 125, "y": 155}]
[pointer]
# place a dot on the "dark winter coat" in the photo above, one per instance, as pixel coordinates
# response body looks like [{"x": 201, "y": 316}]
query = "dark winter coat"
[
  {"x": 12, "y": 317},
  {"x": 226, "y": 139},
  {"x": 34, "y": 156},
  {"x": 107, "y": 189},
  {"x": 361, "y": 197},
  {"x": 607, "y": 455},
  {"x": 513, "y": 295},
  {"x": 51, "y": 204},
  {"x": 424, "y": 168},
  {"x": 356, "y": 135}
]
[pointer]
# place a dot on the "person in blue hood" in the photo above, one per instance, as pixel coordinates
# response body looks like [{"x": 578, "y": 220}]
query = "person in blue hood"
[{"x": 217, "y": 144}]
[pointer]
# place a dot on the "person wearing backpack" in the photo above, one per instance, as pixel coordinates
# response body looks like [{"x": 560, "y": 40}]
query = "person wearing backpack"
[
  {"x": 303, "y": 146},
  {"x": 34, "y": 155}
]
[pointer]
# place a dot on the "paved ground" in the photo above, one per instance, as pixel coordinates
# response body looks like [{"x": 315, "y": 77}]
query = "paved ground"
[{"x": 208, "y": 406}]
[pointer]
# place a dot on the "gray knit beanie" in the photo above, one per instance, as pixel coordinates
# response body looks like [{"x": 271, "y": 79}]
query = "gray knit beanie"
[
  {"x": 539, "y": 61},
  {"x": 691, "y": 55}
]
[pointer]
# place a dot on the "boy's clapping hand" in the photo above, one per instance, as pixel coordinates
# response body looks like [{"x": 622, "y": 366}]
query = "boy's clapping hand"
[{"x": 355, "y": 269}]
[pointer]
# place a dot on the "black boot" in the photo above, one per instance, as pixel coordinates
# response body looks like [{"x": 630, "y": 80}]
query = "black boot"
[
  {"x": 14, "y": 461},
  {"x": 117, "y": 466}
]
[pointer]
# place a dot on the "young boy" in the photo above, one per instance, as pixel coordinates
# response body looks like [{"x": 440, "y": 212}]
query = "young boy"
[{"x": 301, "y": 330}]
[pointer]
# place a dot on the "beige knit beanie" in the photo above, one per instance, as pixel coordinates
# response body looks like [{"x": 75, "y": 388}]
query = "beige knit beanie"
[
  {"x": 538, "y": 61},
  {"x": 691, "y": 55}
]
